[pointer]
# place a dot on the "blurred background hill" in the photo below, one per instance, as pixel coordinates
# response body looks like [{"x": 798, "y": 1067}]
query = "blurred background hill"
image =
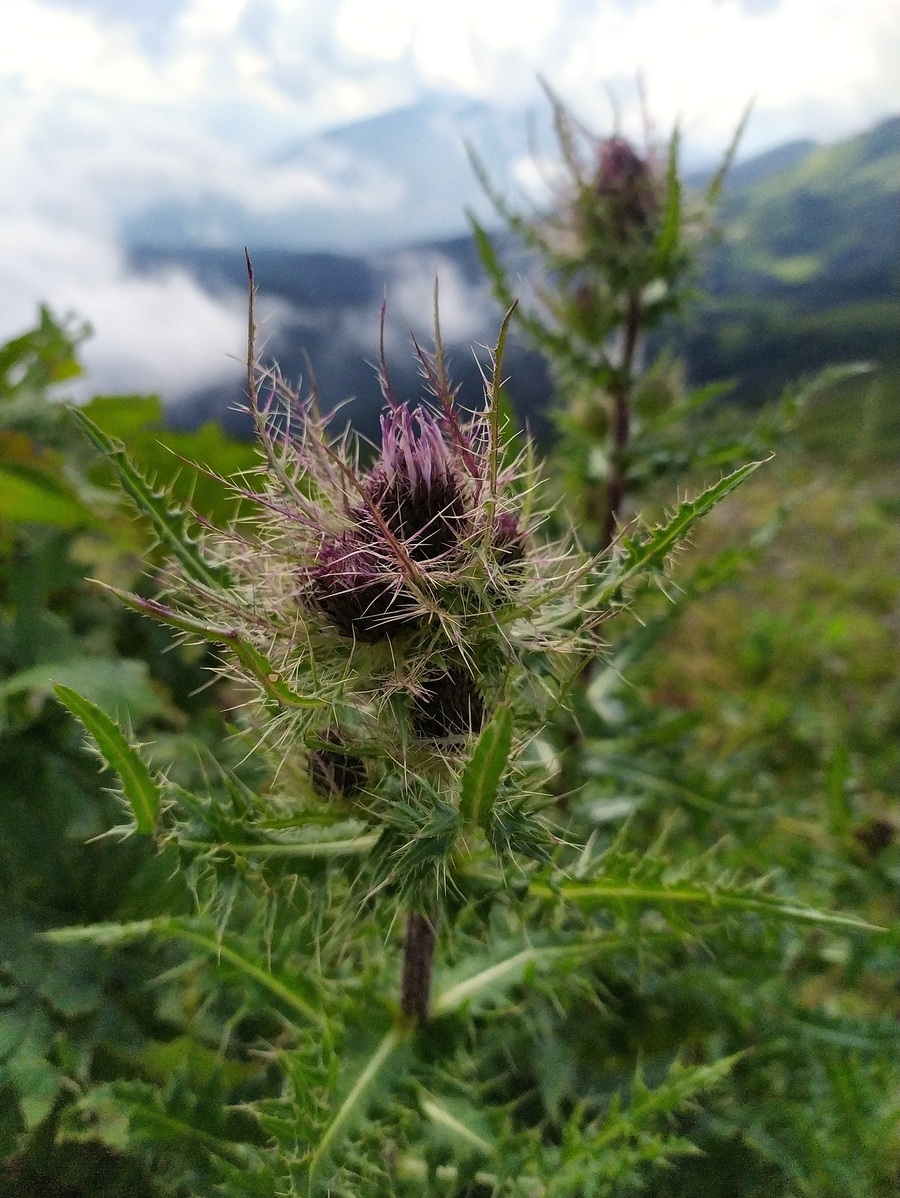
[{"x": 805, "y": 272}]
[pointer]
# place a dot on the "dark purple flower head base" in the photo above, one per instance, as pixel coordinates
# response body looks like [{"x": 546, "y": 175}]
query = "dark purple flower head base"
[
  {"x": 354, "y": 586},
  {"x": 333, "y": 773},
  {"x": 625, "y": 181},
  {"x": 450, "y": 706}
]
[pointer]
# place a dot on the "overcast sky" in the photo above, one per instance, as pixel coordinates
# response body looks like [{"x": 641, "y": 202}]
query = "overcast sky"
[{"x": 108, "y": 105}]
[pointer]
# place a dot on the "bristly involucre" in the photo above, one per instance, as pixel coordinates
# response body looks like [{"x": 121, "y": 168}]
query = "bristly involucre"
[
  {"x": 400, "y": 602},
  {"x": 358, "y": 591},
  {"x": 336, "y": 773},
  {"x": 449, "y": 706}
]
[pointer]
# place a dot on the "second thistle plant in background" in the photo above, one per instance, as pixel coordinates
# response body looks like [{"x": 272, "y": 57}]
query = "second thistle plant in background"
[{"x": 615, "y": 254}]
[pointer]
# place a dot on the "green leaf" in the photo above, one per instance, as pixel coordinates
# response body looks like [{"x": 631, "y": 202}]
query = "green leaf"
[
  {"x": 13, "y": 1027},
  {"x": 304, "y": 850},
  {"x": 363, "y": 1083},
  {"x": 125, "y": 417},
  {"x": 717, "y": 182},
  {"x": 482, "y": 774},
  {"x": 293, "y": 993},
  {"x": 170, "y": 523},
  {"x": 650, "y": 553},
  {"x": 440, "y": 1114},
  {"x": 119, "y": 687},
  {"x": 138, "y": 783},
  {"x": 31, "y": 497},
  {"x": 630, "y": 775},
  {"x": 498, "y": 977},
  {"x": 138, "y": 421},
  {"x": 124, "y": 1113},
  {"x": 604, "y": 891},
  {"x": 490, "y": 260},
  {"x": 72, "y": 987},
  {"x": 254, "y": 662},
  {"x": 667, "y": 242},
  {"x": 38, "y": 1084}
]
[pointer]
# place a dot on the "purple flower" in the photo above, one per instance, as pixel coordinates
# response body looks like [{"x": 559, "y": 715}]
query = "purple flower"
[
  {"x": 625, "y": 180},
  {"x": 416, "y": 485}
]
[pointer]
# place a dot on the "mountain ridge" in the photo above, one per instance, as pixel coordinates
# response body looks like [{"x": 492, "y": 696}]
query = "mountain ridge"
[{"x": 807, "y": 271}]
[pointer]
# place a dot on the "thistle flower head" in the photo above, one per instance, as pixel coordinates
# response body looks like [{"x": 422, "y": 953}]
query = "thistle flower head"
[
  {"x": 619, "y": 166},
  {"x": 625, "y": 182},
  {"x": 336, "y": 773},
  {"x": 428, "y": 555},
  {"x": 450, "y": 705},
  {"x": 402, "y": 602},
  {"x": 359, "y": 593},
  {"x": 416, "y": 485}
]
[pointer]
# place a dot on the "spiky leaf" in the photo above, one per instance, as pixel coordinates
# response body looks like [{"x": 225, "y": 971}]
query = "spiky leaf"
[
  {"x": 296, "y": 994},
  {"x": 363, "y": 1081},
  {"x": 170, "y": 523},
  {"x": 482, "y": 774},
  {"x": 138, "y": 784},
  {"x": 608, "y": 891},
  {"x": 253, "y": 661}
]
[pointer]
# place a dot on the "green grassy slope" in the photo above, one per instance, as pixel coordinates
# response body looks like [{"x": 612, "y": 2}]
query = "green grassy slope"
[{"x": 807, "y": 272}]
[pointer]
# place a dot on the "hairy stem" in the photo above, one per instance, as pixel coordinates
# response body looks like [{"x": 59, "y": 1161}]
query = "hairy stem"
[
  {"x": 621, "y": 422},
  {"x": 418, "y": 956}
]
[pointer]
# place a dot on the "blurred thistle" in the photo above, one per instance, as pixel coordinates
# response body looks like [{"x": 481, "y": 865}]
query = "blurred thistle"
[{"x": 616, "y": 251}]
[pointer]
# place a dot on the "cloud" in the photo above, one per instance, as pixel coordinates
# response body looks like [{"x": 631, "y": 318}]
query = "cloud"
[
  {"x": 819, "y": 68},
  {"x": 110, "y": 109},
  {"x": 157, "y": 333}
]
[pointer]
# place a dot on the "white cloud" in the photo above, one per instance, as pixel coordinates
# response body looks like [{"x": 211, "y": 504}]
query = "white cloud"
[
  {"x": 705, "y": 59},
  {"x": 151, "y": 333},
  {"x": 105, "y": 115}
]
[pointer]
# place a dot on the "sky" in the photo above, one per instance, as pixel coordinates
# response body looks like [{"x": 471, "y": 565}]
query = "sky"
[{"x": 109, "y": 107}]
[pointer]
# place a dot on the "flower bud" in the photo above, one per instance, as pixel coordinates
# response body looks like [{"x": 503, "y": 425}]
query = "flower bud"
[
  {"x": 333, "y": 773},
  {"x": 625, "y": 180},
  {"x": 451, "y": 706},
  {"x": 350, "y": 584}
]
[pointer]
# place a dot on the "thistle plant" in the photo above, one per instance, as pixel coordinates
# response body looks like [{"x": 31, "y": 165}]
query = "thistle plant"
[
  {"x": 613, "y": 259},
  {"x": 401, "y": 914},
  {"x": 387, "y": 620}
]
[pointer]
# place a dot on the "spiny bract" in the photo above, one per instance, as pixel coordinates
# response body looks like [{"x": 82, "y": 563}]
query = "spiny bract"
[{"x": 400, "y": 603}]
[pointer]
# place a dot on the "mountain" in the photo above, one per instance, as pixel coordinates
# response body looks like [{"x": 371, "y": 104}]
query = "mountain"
[
  {"x": 806, "y": 272},
  {"x": 326, "y": 316},
  {"x": 828, "y": 212},
  {"x": 808, "y": 267},
  {"x": 389, "y": 180}
]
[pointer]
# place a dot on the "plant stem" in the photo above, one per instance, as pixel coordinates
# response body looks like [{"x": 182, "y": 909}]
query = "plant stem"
[
  {"x": 418, "y": 956},
  {"x": 621, "y": 421}
]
